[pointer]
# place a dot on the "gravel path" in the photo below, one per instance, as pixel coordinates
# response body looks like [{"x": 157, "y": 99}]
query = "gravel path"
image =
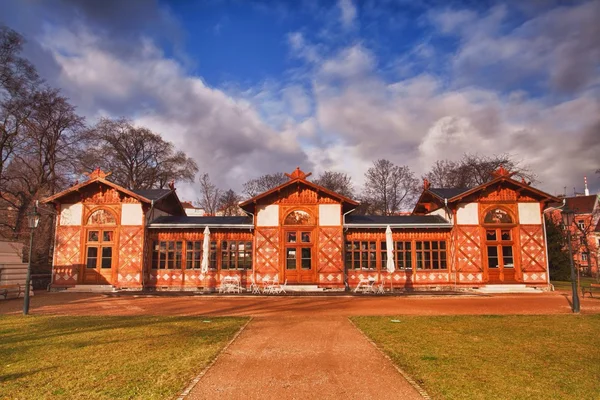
[{"x": 302, "y": 358}]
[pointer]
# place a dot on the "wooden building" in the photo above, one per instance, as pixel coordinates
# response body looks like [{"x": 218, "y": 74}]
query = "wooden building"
[{"x": 301, "y": 233}]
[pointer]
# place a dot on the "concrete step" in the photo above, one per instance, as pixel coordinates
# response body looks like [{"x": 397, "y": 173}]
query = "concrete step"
[
  {"x": 508, "y": 288},
  {"x": 90, "y": 289},
  {"x": 303, "y": 288}
]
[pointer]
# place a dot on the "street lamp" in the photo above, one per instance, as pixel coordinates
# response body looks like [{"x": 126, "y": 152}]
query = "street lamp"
[
  {"x": 568, "y": 216},
  {"x": 33, "y": 220}
]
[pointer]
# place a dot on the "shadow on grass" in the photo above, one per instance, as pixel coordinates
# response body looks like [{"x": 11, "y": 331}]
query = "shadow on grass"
[{"x": 12, "y": 377}]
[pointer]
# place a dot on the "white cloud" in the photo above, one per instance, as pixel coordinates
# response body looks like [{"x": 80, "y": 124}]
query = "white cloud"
[
  {"x": 215, "y": 129},
  {"x": 347, "y": 12}
]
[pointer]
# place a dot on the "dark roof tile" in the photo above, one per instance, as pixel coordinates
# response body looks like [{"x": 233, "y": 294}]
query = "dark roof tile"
[
  {"x": 209, "y": 220},
  {"x": 395, "y": 219},
  {"x": 447, "y": 193},
  {"x": 152, "y": 194}
]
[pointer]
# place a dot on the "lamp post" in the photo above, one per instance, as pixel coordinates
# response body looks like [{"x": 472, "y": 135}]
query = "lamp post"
[
  {"x": 568, "y": 216},
  {"x": 33, "y": 220}
]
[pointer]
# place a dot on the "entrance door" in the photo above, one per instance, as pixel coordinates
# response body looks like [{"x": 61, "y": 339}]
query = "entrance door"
[
  {"x": 500, "y": 255},
  {"x": 99, "y": 254},
  {"x": 299, "y": 256}
]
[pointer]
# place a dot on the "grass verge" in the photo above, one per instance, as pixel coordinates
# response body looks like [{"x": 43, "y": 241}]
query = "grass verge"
[
  {"x": 494, "y": 357},
  {"x": 566, "y": 285},
  {"x": 142, "y": 357}
]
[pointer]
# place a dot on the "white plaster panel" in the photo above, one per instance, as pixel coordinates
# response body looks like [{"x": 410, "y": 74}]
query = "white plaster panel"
[
  {"x": 442, "y": 213},
  {"x": 330, "y": 215},
  {"x": 267, "y": 215},
  {"x": 131, "y": 214},
  {"x": 467, "y": 214},
  {"x": 530, "y": 214},
  {"x": 70, "y": 214}
]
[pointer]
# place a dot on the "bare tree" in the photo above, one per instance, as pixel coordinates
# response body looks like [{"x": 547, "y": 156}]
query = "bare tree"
[
  {"x": 229, "y": 203},
  {"x": 210, "y": 195},
  {"x": 18, "y": 80},
  {"x": 137, "y": 157},
  {"x": 263, "y": 183},
  {"x": 338, "y": 182},
  {"x": 389, "y": 188},
  {"x": 473, "y": 170},
  {"x": 44, "y": 160}
]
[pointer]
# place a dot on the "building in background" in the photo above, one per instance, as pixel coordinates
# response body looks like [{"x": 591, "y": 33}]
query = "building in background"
[{"x": 304, "y": 234}]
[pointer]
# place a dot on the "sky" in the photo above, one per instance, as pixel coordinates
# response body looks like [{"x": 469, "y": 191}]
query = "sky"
[{"x": 253, "y": 87}]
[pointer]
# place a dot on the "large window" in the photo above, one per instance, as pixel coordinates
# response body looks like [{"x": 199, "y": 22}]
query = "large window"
[
  {"x": 361, "y": 255},
  {"x": 167, "y": 255},
  {"x": 193, "y": 256},
  {"x": 236, "y": 254},
  {"x": 425, "y": 255},
  {"x": 430, "y": 254}
]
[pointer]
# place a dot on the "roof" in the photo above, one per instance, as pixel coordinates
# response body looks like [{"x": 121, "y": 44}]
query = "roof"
[
  {"x": 581, "y": 204},
  {"x": 296, "y": 177},
  {"x": 184, "y": 222},
  {"x": 152, "y": 194},
  {"x": 144, "y": 196},
  {"x": 400, "y": 221},
  {"x": 447, "y": 193}
]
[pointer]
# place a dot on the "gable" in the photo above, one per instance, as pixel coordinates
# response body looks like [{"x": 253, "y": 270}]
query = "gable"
[{"x": 298, "y": 193}]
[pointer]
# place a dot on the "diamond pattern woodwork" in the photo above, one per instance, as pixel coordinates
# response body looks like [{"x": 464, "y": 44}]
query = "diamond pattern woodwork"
[
  {"x": 267, "y": 252},
  {"x": 533, "y": 256},
  {"x": 330, "y": 250},
  {"x": 67, "y": 254},
  {"x": 468, "y": 248},
  {"x": 131, "y": 241}
]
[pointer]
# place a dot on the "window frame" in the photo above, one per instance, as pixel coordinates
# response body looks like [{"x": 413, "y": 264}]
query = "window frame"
[{"x": 172, "y": 255}]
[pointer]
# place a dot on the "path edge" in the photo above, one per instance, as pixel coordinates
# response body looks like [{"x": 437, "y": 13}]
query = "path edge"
[
  {"x": 186, "y": 392},
  {"x": 408, "y": 378}
]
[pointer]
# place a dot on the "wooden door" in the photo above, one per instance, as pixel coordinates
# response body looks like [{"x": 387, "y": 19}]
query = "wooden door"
[
  {"x": 500, "y": 254},
  {"x": 99, "y": 256},
  {"x": 299, "y": 254}
]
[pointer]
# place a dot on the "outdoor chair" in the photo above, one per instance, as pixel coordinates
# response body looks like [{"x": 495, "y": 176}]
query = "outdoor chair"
[
  {"x": 277, "y": 289},
  {"x": 380, "y": 288},
  {"x": 253, "y": 286}
]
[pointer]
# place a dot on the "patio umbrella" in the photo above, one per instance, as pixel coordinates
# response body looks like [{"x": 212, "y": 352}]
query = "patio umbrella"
[
  {"x": 389, "y": 244},
  {"x": 205, "y": 252}
]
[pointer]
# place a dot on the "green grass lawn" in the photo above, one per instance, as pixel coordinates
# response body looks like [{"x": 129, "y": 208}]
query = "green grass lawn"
[
  {"x": 566, "y": 285},
  {"x": 106, "y": 357},
  {"x": 494, "y": 357}
]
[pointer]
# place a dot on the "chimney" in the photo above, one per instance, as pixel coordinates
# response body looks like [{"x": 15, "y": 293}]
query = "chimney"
[{"x": 587, "y": 191}]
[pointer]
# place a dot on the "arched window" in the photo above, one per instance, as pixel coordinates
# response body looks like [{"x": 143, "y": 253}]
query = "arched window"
[
  {"x": 298, "y": 217},
  {"x": 101, "y": 217},
  {"x": 497, "y": 216}
]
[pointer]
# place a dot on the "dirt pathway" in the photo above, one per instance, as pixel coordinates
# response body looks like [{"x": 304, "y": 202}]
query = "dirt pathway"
[{"x": 302, "y": 358}]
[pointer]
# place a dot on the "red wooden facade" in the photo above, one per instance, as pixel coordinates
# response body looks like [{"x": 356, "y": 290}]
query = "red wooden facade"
[{"x": 303, "y": 234}]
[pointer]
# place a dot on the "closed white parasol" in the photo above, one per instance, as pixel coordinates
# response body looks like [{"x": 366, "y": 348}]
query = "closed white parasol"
[
  {"x": 205, "y": 251},
  {"x": 389, "y": 244}
]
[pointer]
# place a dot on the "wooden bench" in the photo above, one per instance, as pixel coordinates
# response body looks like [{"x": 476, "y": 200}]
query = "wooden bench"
[
  {"x": 591, "y": 288},
  {"x": 14, "y": 288}
]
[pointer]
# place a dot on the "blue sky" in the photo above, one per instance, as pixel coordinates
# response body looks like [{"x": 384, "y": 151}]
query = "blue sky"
[{"x": 253, "y": 87}]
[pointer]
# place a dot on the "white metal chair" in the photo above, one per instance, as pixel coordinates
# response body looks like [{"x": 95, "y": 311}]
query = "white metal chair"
[
  {"x": 380, "y": 288},
  {"x": 278, "y": 289},
  {"x": 253, "y": 286}
]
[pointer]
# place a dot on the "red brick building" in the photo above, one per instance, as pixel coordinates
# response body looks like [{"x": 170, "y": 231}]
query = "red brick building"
[{"x": 304, "y": 234}]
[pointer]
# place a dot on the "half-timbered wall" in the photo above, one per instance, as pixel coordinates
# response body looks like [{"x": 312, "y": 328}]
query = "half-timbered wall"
[{"x": 72, "y": 229}]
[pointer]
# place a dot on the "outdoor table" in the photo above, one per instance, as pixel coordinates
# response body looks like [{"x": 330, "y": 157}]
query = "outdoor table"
[{"x": 231, "y": 284}]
